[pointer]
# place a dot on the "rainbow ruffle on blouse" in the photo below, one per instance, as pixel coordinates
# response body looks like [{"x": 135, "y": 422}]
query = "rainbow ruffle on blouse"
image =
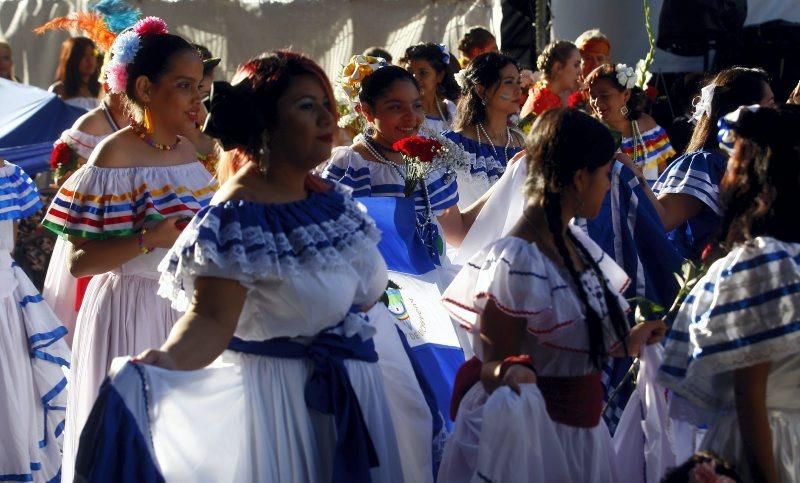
[
  {"x": 116, "y": 202},
  {"x": 658, "y": 148}
]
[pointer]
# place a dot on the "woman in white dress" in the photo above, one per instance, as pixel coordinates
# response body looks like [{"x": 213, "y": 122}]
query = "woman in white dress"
[
  {"x": 32, "y": 351},
  {"x": 544, "y": 307},
  {"x": 282, "y": 271},
  {"x": 120, "y": 211},
  {"x": 733, "y": 348},
  {"x": 74, "y": 147},
  {"x": 432, "y": 66},
  {"x": 490, "y": 93}
]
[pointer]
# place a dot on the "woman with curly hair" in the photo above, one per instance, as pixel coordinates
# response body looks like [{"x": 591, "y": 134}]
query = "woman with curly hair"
[{"x": 733, "y": 348}]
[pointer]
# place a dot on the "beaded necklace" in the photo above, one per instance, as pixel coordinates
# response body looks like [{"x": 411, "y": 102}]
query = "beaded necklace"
[
  {"x": 427, "y": 217},
  {"x": 139, "y": 131},
  {"x": 481, "y": 129},
  {"x": 637, "y": 140}
]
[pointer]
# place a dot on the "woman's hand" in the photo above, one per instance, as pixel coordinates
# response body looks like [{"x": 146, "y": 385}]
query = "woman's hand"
[
  {"x": 627, "y": 161},
  {"x": 513, "y": 376},
  {"x": 163, "y": 234},
  {"x": 645, "y": 333},
  {"x": 157, "y": 358}
]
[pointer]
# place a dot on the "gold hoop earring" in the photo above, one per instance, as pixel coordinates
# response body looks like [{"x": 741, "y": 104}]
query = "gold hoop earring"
[{"x": 148, "y": 121}]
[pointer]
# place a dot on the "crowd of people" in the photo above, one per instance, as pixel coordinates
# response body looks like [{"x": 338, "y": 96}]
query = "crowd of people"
[{"x": 230, "y": 298}]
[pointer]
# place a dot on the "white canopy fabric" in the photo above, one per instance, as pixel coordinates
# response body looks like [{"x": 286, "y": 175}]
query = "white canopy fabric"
[{"x": 330, "y": 31}]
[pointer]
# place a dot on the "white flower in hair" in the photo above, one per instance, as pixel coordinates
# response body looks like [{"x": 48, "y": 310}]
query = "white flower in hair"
[
  {"x": 626, "y": 76},
  {"x": 461, "y": 78}
]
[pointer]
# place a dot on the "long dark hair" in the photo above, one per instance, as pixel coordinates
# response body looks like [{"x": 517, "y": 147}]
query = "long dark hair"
[
  {"x": 431, "y": 53},
  {"x": 483, "y": 70},
  {"x": 152, "y": 60},
  {"x": 760, "y": 188},
  {"x": 67, "y": 72},
  {"x": 637, "y": 102},
  {"x": 240, "y": 113},
  {"x": 734, "y": 87},
  {"x": 562, "y": 142}
]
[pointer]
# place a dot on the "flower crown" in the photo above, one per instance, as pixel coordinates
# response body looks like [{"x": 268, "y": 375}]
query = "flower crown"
[
  {"x": 358, "y": 69},
  {"x": 125, "y": 48},
  {"x": 630, "y": 77}
]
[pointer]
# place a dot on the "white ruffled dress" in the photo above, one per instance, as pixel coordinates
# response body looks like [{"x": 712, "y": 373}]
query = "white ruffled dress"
[
  {"x": 523, "y": 282},
  {"x": 743, "y": 312},
  {"x": 121, "y": 312},
  {"x": 305, "y": 265},
  {"x": 32, "y": 353},
  {"x": 60, "y": 287}
]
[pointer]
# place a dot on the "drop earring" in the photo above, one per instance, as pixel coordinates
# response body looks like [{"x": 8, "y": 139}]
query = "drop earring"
[
  {"x": 624, "y": 111},
  {"x": 147, "y": 121},
  {"x": 263, "y": 155}
]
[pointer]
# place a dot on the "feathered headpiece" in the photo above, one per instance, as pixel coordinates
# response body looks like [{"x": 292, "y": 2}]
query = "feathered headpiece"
[{"x": 102, "y": 23}]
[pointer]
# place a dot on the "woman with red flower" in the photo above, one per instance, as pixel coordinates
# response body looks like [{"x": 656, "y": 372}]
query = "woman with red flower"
[
  {"x": 389, "y": 99},
  {"x": 560, "y": 63}
]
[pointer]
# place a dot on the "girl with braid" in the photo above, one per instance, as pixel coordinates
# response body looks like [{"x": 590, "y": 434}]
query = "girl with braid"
[{"x": 545, "y": 309}]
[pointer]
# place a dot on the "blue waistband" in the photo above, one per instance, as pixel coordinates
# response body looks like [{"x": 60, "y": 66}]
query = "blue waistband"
[{"x": 328, "y": 390}]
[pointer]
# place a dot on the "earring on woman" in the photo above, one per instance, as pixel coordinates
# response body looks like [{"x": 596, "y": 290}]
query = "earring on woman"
[
  {"x": 624, "y": 110},
  {"x": 369, "y": 130},
  {"x": 147, "y": 121},
  {"x": 263, "y": 154}
]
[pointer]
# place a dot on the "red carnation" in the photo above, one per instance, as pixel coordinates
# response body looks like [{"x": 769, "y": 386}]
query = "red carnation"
[
  {"x": 652, "y": 93},
  {"x": 576, "y": 99},
  {"x": 61, "y": 155},
  {"x": 544, "y": 99},
  {"x": 424, "y": 149}
]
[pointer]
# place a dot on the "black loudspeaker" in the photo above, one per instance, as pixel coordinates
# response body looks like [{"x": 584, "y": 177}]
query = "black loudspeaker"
[
  {"x": 517, "y": 32},
  {"x": 691, "y": 27}
]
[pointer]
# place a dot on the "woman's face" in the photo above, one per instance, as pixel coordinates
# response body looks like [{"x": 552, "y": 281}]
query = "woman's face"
[
  {"x": 427, "y": 77},
  {"x": 567, "y": 75},
  {"x": 506, "y": 94},
  {"x": 175, "y": 99},
  {"x": 398, "y": 113},
  {"x": 607, "y": 101},
  {"x": 6, "y": 62},
  {"x": 592, "y": 186},
  {"x": 305, "y": 127},
  {"x": 88, "y": 64},
  {"x": 768, "y": 99}
]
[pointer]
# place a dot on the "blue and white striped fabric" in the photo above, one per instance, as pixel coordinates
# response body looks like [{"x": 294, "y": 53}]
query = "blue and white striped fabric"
[
  {"x": 697, "y": 174},
  {"x": 628, "y": 228},
  {"x": 482, "y": 157},
  {"x": 18, "y": 195},
  {"x": 431, "y": 334},
  {"x": 744, "y": 311},
  {"x": 371, "y": 179},
  {"x": 41, "y": 386},
  {"x": 375, "y": 179}
]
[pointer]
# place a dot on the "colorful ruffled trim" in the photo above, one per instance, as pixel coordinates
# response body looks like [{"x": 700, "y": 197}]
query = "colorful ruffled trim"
[
  {"x": 248, "y": 241},
  {"x": 657, "y": 147},
  {"x": 19, "y": 197},
  {"x": 744, "y": 311},
  {"x": 116, "y": 202}
]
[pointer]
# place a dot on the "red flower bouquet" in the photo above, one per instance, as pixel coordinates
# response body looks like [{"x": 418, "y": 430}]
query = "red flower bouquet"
[
  {"x": 62, "y": 159},
  {"x": 418, "y": 153}
]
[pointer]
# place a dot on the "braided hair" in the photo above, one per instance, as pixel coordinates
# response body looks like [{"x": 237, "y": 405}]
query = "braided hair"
[{"x": 562, "y": 142}]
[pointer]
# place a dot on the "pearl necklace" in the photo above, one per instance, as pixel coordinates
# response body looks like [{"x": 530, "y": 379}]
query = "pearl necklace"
[
  {"x": 481, "y": 129},
  {"x": 139, "y": 131}
]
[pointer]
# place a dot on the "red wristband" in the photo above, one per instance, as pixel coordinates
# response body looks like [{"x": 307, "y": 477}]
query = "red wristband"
[{"x": 523, "y": 360}]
